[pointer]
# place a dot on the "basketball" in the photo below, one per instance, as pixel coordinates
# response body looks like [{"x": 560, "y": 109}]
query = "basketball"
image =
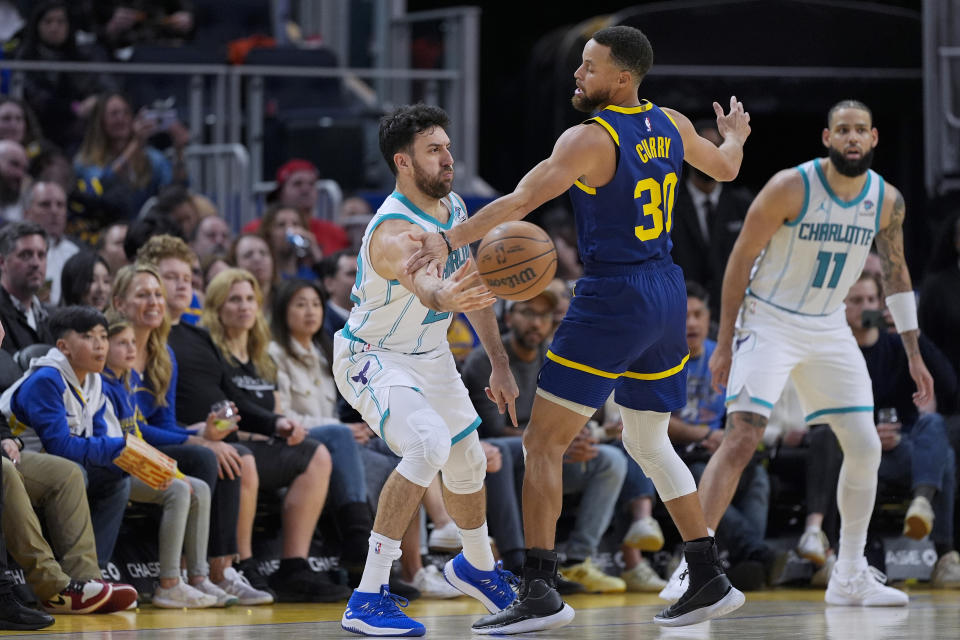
[{"x": 517, "y": 260}]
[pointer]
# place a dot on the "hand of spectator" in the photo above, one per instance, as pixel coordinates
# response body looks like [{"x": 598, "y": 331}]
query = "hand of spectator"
[
  {"x": 143, "y": 128},
  {"x": 494, "y": 457},
  {"x": 361, "y": 432},
  {"x": 84, "y": 108},
  {"x": 211, "y": 431},
  {"x": 614, "y": 430},
  {"x": 122, "y": 19},
  {"x": 11, "y": 449},
  {"x": 720, "y": 366},
  {"x": 181, "y": 21},
  {"x": 166, "y": 483},
  {"x": 227, "y": 457},
  {"x": 582, "y": 448},
  {"x": 179, "y": 135},
  {"x": 712, "y": 442},
  {"x": 291, "y": 430},
  {"x": 889, "y": 435}
]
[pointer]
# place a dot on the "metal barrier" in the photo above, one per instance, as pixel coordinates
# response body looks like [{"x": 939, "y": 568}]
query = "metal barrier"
[
  {"x": 329, "y": 197},
  {"x": 221, "y": 172}
]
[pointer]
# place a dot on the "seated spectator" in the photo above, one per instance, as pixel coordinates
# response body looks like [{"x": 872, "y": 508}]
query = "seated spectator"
[
  {"x": 939, "y": 310},
  {"x": 140, "y": 296},
  {"x": 296, "y": 187},
  {"x": 294, "y": 249},
  {"x": 123, "y": 23},
  {"x": 696, "y": 432},
  {"x": 185, "y": 519},
  {"x": 23, "y": 267},
  {"x": 209, "y": 268},
  {"x": 252, "y": 253},
  {"x": 354, "y": 216},
  {"x": 338, "y": 274},
  {"x": 176, "y": 203},
  {"x": 111, "y": 246},
  {"x": 62, "y": 100},
  {"x": 58, "y": 405},
  {"x": 594, "y": 471},
  {"x": 232, "y": 315},
  {"x": 211, "y": 236},
  {"x": 13, "y": 613},
  {"x": 115, "y": 149},
  {"x": 13, "y": 180},
  {"x": 560, "y": 226},
  {"x": 18, "y": 123},
  {"x": 46, "y": 205},
  {"x": 52, "y": 485},
  {"x": 564, "y": 293},
  {"x": 916, "y": 452},
  {"x": 87, "y": 281}
]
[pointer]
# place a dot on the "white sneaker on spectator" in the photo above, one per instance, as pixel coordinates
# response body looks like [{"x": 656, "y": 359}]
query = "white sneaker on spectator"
[
  {"x": 821, "y": 577},
  {"x": 675, "y": 585},
  {"x": 642, "y": 578},
  {"x": 224, "y": 599},
  {"x": 431, "y": 584},
  {"x": 918, "y": 522},
  {"x": 446, "y": 538},
  {"x": 862, "y": 585},
  {"x": 182, "y": 596},
  {"x": 236, "y": 584},
  {"x": 946, "y": 573},
  {"x": 644, "y": 534},
  {"x": 813, "y": 546}
]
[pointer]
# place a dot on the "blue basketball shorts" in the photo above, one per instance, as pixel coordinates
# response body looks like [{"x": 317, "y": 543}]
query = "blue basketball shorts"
[{"x": 624, "y": 333}]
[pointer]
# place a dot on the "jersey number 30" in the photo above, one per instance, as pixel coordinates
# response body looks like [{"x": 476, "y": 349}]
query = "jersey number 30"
[{"x": 654, "y": 209}]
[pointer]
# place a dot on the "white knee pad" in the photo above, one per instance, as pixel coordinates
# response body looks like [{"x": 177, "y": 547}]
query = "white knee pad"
[
  {"x": 418, "y": 435},
  {"x": 466, "y": 467},
  {"x": 645, "y": 439}
]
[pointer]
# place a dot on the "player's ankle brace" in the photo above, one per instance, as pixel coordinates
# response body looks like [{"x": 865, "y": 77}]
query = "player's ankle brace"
[
  {"x": 540, "y": 563},
  {"x": 702, "y": 561}
]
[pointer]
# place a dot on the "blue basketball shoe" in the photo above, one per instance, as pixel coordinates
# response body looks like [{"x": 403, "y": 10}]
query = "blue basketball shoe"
[
  {"x": 379, "y": 614},
  {"x": 495, "y": 589}
]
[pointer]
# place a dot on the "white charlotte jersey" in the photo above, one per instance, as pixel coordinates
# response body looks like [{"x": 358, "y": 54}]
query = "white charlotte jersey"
[
  {"x": 810, "y": 263},
  {"x": 385, "y": 314}
]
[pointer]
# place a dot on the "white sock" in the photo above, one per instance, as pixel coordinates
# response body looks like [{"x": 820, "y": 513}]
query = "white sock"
[
  {"x": 813, "y": 528},
  {"x": 376, "y": 572},
  {"x": 712, "y": 533},
  {"x": 476, "y": 547}
]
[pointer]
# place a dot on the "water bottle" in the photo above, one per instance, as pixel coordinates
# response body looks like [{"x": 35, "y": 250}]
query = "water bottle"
[{"x": 301, "y": 246}]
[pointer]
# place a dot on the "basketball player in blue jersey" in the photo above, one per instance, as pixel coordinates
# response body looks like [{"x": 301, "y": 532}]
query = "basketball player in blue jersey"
[
  {"x": 803, "y": 244},
  {"x": 393, "y": 363},
  {"x": 625, "y": 330}
]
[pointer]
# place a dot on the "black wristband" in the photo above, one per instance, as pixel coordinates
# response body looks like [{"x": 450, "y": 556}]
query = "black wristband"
[{"x": 446, "y": 241}]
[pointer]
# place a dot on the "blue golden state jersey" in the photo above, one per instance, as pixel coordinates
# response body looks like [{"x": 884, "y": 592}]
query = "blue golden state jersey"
[{"x": 628, "y": 220}]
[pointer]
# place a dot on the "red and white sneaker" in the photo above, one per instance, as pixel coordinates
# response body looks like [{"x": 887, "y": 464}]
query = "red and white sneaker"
[
  {"x": 124, "y": 597},
  {"x": 80, "y": 597}
]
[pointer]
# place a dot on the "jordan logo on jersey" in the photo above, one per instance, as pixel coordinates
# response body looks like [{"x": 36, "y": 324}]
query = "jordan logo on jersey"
[{"x": 361, "y": 376}]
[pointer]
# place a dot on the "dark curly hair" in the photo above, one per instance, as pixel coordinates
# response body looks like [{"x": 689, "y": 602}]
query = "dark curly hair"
[
  {"x": 629, "y": 48},
  {"x": 398, "y": 129}
]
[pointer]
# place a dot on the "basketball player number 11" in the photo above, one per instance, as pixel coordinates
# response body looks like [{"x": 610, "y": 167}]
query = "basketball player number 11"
[
  {"x": 658, "y": 195},
  {"x": 823, "y": 264}
]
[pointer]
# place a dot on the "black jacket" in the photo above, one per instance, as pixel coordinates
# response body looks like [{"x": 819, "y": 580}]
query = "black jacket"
[{"x": 19, "y": 333}]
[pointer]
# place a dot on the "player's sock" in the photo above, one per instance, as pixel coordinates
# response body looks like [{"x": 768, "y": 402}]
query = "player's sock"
[
  {"x": 383, "y": 551},
  {"x": 476, "y": 547}
]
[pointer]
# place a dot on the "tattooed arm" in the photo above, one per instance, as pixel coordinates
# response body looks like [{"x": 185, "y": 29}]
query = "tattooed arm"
[{"x": 896, "y": 279}]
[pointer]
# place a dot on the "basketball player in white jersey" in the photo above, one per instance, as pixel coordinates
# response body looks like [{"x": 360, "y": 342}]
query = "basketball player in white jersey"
[
  {"x": 392, "y": 362},
  {"x": 803, "y": 244}
]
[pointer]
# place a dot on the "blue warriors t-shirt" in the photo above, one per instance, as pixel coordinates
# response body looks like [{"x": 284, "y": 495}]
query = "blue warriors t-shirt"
[
  {"x": 628, "y": 220},
  {"x": 704, "y": 405}
]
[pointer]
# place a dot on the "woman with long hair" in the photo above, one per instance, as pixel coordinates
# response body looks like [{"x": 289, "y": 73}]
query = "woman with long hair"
[
  {"x": 232, "y": 313},
  {"x": 251, "y": 252},
  {"x": 115, "y": 148},
  {"x": 86, "y": 280},
  {"x": 19, "y": 123},
  {"x": 139, "y": 296},
  {"x": 293, "y": 246}
]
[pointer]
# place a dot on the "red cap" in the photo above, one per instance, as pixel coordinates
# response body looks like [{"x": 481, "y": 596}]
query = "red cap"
[{"x": 290, "y": 167}]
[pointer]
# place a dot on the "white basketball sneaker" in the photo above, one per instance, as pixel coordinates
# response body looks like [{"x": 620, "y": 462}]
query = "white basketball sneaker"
[
  {"x": 675, "y": 585},
  {"x": 862, "y": 585}
]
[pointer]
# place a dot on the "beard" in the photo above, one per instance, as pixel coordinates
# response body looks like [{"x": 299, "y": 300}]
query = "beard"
[
  {"x": 587, "y": 103},
  {"x": 851, "y": 168},
  {"x": 433, "y": 186}
]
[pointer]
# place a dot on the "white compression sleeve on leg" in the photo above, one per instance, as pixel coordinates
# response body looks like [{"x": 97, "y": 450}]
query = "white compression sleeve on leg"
[
  {"x": 645, "y": 439},
  {"x": 857, "y": 488}
]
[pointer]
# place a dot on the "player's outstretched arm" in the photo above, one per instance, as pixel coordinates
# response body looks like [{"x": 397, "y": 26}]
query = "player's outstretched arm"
[
  {"x": 394, "y": 241},
  {"x": 898, "y": 289},
  {"x": 575, "y": 153},
  {"x": 781, "y": 199},
  {"x": 723, "y": 162}
]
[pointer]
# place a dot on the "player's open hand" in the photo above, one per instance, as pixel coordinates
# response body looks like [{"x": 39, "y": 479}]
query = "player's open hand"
[
  {"x": 464, "y": 291},
  {"x": 720, "y": 367},
  {"x": 735, "y": 124},
  {"x": 923, "y": 380},
  {"x": 432, "y": 249},
  {"x": 503, "y": 391}
]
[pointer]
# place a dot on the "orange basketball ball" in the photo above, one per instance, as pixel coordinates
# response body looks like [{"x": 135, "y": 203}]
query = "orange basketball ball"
[{"x": 517, "y": 260}]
